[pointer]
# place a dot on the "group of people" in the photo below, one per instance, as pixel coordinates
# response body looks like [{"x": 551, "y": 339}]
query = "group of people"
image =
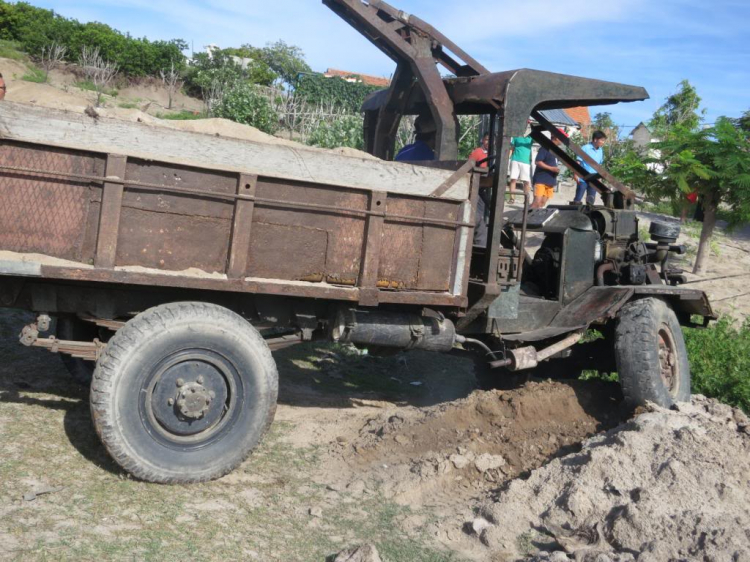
[{"x": 547, "y": 170}]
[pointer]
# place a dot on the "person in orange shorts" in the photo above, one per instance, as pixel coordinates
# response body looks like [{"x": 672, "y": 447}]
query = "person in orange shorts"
[{"x": 545, "y": 177}]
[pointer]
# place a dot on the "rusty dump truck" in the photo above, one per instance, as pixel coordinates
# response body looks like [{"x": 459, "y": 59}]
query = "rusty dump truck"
[{"x": 164, "y": 266}]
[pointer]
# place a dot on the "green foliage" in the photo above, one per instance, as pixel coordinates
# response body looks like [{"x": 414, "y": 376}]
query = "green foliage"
[
  {"x": 35, "y": 28},
  {"x": 681, "y": 108},
  {"x": 11, "y": 50},
  {"x": 243, "y": 104},
  {"x": 219, "y": 68},
  {"x": 743, "y": 122},
  {"x": 36, "y": 75},
  {"x": 182, "y": 116},
  {"x": 715, "y": 162},
  {"x": 287, "y": 61},
  {"x": 89, "y": 86},
  {"x": 720, "y": 362},
  {"x": 468, "y": 138},
  {"x": 344, "y": 130},
  {"x": 604, "y": 122},
  {"x": 316, "y": 89}
]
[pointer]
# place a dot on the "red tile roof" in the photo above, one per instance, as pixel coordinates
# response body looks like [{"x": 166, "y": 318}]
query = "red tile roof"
[
  {"x": 365, "y": 78},
  {"x": 580, "y": 115}
]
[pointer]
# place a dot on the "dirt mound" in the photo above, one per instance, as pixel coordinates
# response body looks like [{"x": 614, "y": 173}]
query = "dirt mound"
[
  {"x": 449, "y": 452},
  {"x": 668, "y": 485}
]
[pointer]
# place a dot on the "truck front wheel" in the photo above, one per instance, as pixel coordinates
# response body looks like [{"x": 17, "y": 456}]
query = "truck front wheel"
[
  {"x": 183, "y": 393},
  {"x": 651, "y": 357}
]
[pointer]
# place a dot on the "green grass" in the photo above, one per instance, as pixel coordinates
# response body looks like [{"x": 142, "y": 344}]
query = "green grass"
[
  {"x": 128, "y": 105},
  {"x": 36, "y": 75},
  {"x": 184, "y": 115},
  {"x": 91, "y": 87},
  {"x": 11, "y": 50},
  {"x": 720, "y": 361}
]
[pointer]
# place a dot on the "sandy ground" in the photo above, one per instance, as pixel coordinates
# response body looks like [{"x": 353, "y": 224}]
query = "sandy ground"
[{"x": 406, "y": 453}]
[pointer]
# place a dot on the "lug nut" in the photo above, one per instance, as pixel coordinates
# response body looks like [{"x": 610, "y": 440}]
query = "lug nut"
[
  {"x": 200, "y": 379},
  {"x": 212, "y": 394},
  {"x": 180, "y": 382},
  {"x": 170, "y": 401}
]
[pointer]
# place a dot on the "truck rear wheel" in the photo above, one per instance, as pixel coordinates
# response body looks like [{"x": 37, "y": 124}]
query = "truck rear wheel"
[
  {"x": 183, "y": 393},
  {"x": 651, "y": 356}
]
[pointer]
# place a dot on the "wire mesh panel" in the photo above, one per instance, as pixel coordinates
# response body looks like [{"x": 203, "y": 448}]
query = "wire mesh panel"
[{"x": 42, "y": 214}]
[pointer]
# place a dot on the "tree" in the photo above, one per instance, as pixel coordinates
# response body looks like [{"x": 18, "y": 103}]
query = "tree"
[
  {"x": 52, "y": 55},
  {"x": 98, "y": 71},
  {"x": 171, "y": 79},
  {"x": 681, "y": 108},
  {"x": 715, "y": 163},
  {"x": 743, "y": 122},
  {"x": 285, "y": 60},
  {"x": 604, "y": 122}
]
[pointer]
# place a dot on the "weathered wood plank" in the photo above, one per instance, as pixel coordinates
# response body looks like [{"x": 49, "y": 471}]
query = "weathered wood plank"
[
  {"x": 75, "y": 130},
  {"x": 241, "y": 228},
  {"x": 111, "y": 209}
]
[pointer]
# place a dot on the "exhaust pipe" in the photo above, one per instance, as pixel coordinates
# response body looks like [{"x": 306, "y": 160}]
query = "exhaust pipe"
[
  {"x": 394, "y": 329},
  {"x": 528, "y": 357}
]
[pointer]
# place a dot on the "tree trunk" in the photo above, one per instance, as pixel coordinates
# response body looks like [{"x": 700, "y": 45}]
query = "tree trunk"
[{"x": 709, "y": 222}]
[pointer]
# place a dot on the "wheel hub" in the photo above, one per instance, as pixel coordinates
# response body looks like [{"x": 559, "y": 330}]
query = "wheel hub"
[
  {"x": 194, "y": 400},
  {"x": 189, "y": 396}
]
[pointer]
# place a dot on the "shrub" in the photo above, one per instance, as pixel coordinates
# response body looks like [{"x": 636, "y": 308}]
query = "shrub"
[
  {"x": 245, "y": 105},
  {"x": 344, "y": 130},
  {"x": 316, "y": 89},
  {"x": 720, "y": 361},
  {"x": 35, "y": 75},
  {"x": 184, "y": 115}
]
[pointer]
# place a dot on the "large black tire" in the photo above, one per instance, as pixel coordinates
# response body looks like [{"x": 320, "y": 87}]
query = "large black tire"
[
  {"x": 183, "y": 393},
  {"x": 651, "y": 356},
  {"x": 77, "y": 330}
]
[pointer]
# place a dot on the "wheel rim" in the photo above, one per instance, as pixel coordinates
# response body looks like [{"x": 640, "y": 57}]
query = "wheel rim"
[
  {"x": 190, "y": 398},
  {"x": 668, "y": 366}
]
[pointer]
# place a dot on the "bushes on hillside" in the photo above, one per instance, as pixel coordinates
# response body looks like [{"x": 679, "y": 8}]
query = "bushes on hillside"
[
  {"x": 316, "y": 89},
  {"x": 35, "y": 28},
  {"x": 243, "y": 104}
]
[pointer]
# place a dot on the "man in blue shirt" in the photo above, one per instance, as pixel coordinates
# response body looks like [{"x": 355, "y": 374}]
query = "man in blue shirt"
[
  {"x": 423, "y": 148},
  {"x": 596, "y": 152}
]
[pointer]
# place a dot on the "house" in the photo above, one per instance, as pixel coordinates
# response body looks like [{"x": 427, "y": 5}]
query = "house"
[
  {"x": 582, "y": 116},
  {"x": 642, "y": 136},
  {"x": 357, "y": 77}
]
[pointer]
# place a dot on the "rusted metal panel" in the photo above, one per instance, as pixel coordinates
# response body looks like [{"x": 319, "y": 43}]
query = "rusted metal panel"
[
  {"x": 437, "y": 262},
  {"x": 248, "y": 285},
  {"x": 242, "y": 227},
  {"x": 344, "y": 231},
  {"x": 40, "y": 214},
  {"x": 402, "y": 250},
  {"x": 110, "y": 211},
  {"x": 172, "y": 242},
  {"x": 173, "y": 175},
  {"x": 368, "y": 278},
  {"x": 283, "y": 251}
]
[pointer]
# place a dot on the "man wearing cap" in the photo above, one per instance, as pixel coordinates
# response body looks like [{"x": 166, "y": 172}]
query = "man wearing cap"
[{"x": 423, "y": 148}]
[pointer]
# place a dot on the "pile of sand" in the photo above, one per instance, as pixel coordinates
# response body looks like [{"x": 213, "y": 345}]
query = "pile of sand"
[
  {"x": 446, "y": 454},
  {"x": 669, "y": 485}
]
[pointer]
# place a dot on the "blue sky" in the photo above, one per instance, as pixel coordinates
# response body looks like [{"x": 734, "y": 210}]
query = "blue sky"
[{"x": 651, "y": 43}]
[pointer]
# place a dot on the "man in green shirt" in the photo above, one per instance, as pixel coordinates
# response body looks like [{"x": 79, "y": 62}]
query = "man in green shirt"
[{"x": 520, "y": 164}]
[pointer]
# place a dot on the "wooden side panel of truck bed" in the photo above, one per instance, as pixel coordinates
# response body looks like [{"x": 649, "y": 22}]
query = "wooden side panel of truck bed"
[{"x": 113, "y": 218}]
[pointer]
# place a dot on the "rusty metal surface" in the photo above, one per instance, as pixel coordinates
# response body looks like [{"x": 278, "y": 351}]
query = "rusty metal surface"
[
  {"x": 598, "y": 303},
  {"x": 45, "y": 215}
]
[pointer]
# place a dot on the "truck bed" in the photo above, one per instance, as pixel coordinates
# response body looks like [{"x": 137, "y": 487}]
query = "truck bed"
[{"x": 109, "y": 201}]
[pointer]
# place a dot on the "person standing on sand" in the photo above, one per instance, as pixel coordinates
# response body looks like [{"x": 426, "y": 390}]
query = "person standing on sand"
[
  {"x": 596, "y": 152},
  {"x": 520, "y": 164},
  {"x": 545, "y": 176}
]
